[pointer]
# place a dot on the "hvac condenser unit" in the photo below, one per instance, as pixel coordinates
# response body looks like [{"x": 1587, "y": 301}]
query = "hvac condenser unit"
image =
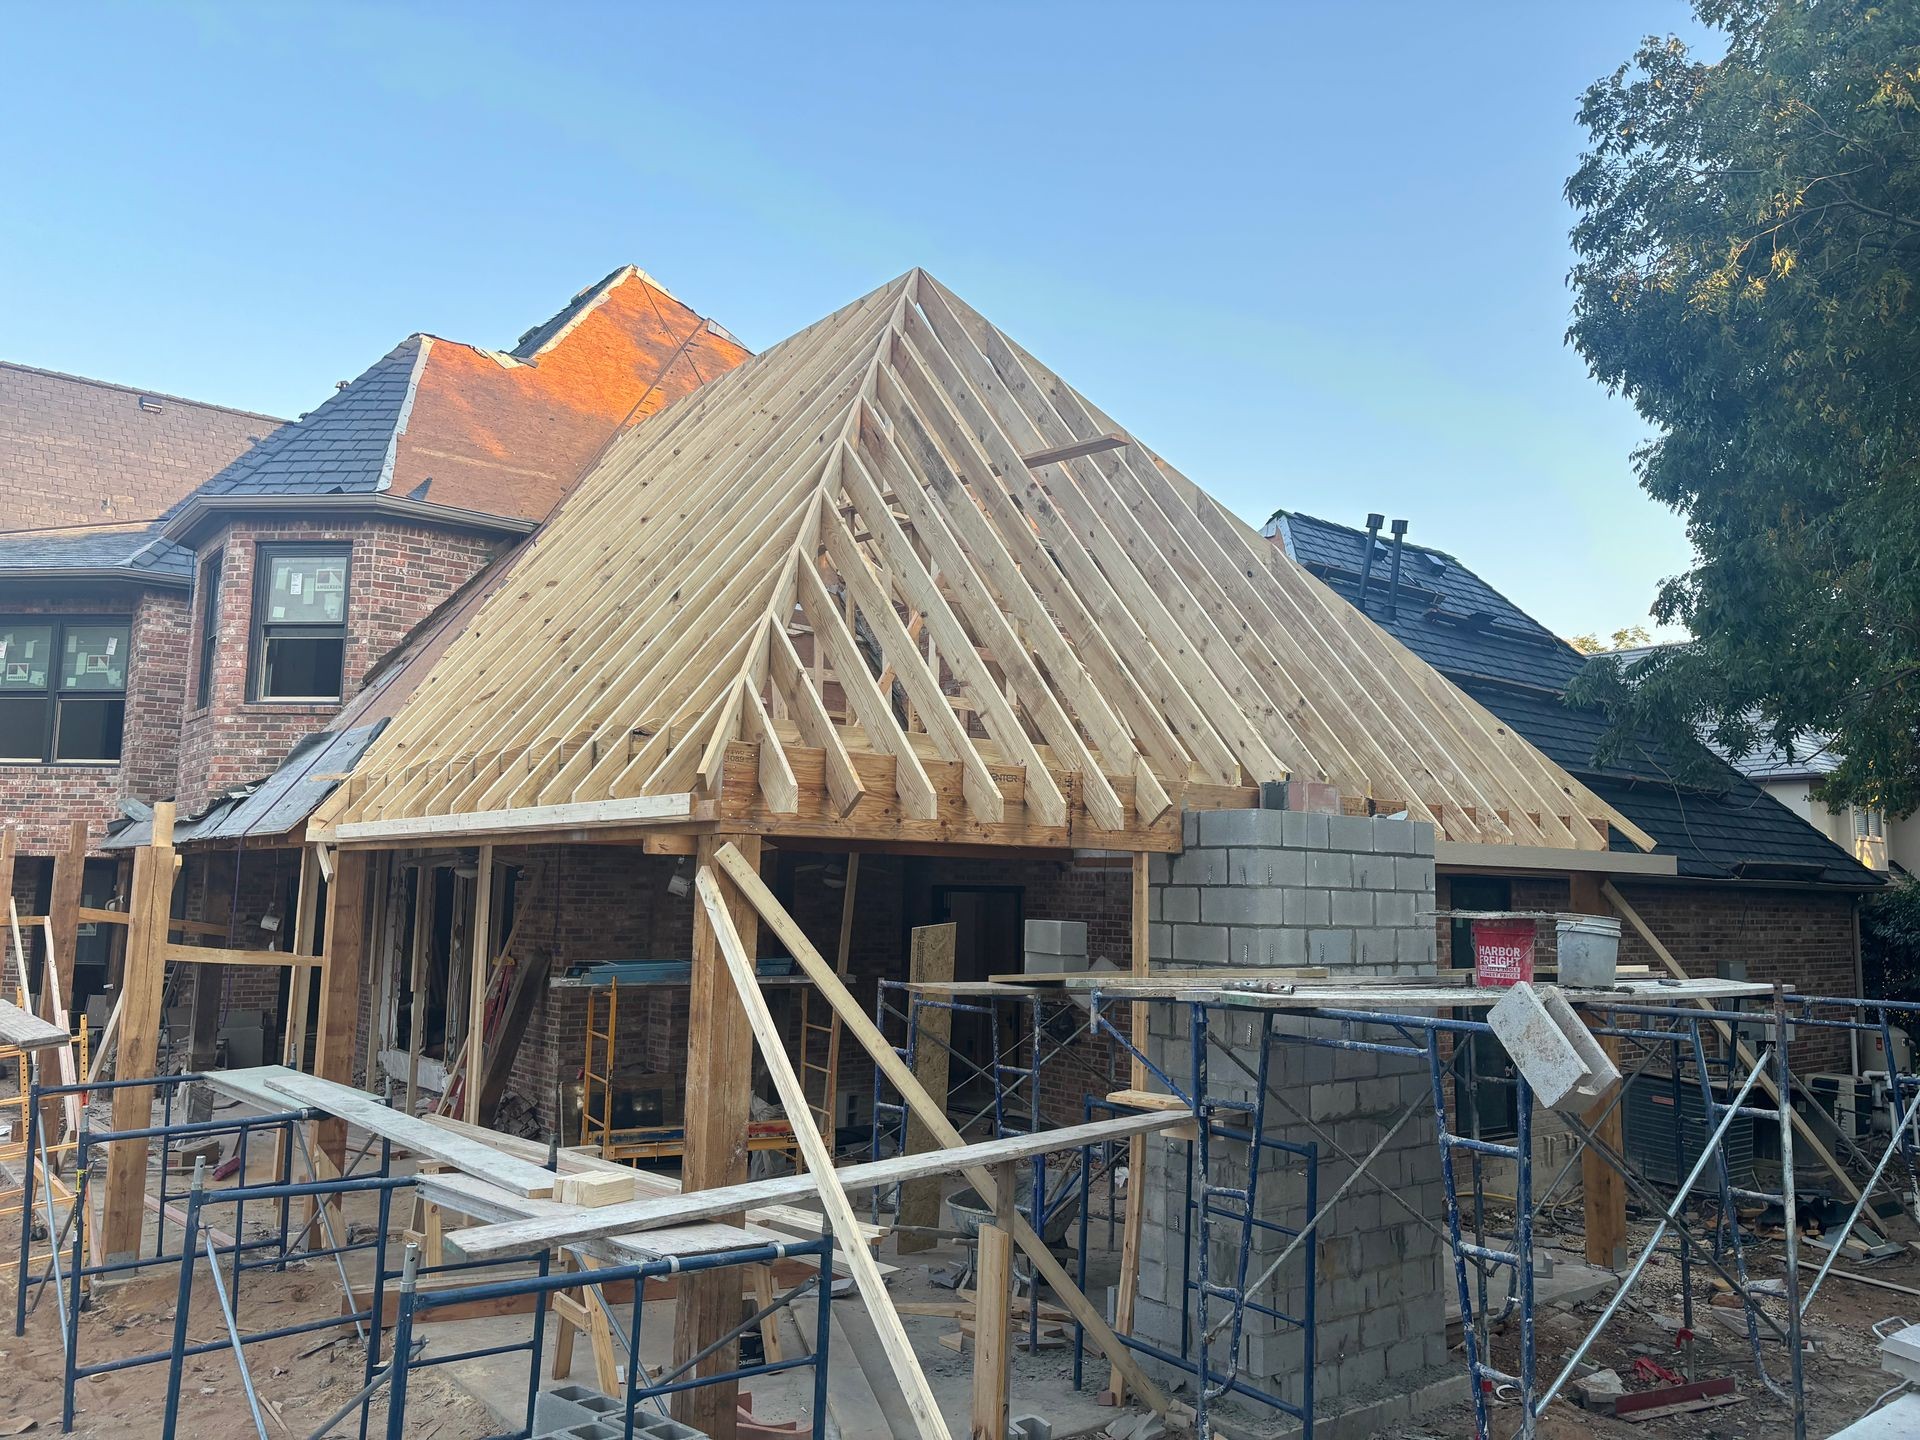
[{"x": 1650, "y": 1122}]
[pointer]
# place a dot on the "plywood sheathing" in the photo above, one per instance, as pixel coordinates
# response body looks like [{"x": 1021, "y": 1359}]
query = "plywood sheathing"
[{"x": 826, "y": 595}]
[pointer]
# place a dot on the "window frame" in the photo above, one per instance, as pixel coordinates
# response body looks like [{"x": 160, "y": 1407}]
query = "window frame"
[
  {"x": 212, "y": 575},
  {"x": 259, "y": 626},
  {"x": 52, "y": 694}
]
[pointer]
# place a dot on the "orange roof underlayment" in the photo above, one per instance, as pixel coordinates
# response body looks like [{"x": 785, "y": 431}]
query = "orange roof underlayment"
[{"x": 509, "y": 434}]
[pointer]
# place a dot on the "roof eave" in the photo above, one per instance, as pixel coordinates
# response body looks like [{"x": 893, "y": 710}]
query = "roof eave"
[
  {"x": 106, "y": 574},
  {"x": 203, "y": 511}
]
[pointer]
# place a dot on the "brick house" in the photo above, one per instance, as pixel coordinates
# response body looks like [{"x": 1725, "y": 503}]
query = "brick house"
[
  {"x": 215, "y": 585},
  {"x": 1757, "y": 894}
]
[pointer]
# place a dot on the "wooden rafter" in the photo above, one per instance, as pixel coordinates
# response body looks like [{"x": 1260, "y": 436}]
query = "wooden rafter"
[{"x": 895, "y": 573}]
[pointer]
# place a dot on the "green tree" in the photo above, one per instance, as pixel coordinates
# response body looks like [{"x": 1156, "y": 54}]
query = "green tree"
[
  {"x": 1747, "y": 250},
  {"x": 1624, "y": 638}
]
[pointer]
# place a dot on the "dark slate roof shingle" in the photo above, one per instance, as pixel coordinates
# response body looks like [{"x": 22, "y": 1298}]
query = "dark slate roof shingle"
[
  {"x": 342, "y": 447},
  {"x": 1516, "y": 668},
  {"x": 135, "y": 549}
]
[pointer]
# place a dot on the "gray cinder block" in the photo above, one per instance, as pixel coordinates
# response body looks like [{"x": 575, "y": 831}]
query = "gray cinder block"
[
  {"x": 1200, "y": 867},
  {"x": 1243, "y": 827},
  {"x": 1057, "y": 937}
]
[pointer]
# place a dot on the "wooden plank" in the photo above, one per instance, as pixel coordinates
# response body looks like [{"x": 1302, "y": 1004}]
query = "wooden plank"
[
  {"x": 219, "y": 955},
  {"x": 635, "y": 810},
  {"x": 992, "y": 1314},
  {"x": 905, "y": 1366},
  {"x": 28, "y": 1032},
  {"x": 358, "y": 1108},
  {"x": 719, "y": 1091},
  {"x": 930, "y": 961},
  {"x": 92, "y": 915},
  {"x": 1803, "y": 1134},
  {"x": 876, "y": 1045},
  {"x": 1072, "y": 451},
  {"x": 143, "y": 982},
  {"x": 673, "y": 1208}
]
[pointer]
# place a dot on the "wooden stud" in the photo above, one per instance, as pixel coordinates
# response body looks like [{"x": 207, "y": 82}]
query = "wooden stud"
[
  {"x": 1131, "y": 1226},
  {"x": 424, "y": 882},
  {"x": 480, "y": 957}
]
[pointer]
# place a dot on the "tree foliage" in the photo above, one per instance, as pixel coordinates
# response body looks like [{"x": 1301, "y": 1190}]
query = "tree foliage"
[
  {"x": 1624, "y": 638},
  {"x": 1747, "y": 252},
  {"x": 1890, "y": 941}
]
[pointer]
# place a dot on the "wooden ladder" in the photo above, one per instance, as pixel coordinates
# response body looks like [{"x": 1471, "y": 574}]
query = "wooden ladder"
[{"x": 821, "y": 1082}]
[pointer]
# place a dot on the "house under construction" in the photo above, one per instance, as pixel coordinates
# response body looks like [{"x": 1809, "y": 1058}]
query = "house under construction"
[{"x": 883, "y": 750}]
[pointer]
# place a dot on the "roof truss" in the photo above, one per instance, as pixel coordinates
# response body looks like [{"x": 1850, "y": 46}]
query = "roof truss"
[{"x": 894, "y": 577}]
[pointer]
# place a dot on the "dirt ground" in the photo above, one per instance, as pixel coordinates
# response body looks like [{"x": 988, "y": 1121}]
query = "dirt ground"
[
  {"x": 301, "y": 1380},
  {"x": 1842, "y": 1363}
]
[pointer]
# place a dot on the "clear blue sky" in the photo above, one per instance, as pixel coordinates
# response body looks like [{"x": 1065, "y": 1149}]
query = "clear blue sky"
[{"x": 1315, "y": 254}]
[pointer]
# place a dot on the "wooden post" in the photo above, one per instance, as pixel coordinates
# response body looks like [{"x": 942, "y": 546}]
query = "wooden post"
[
  {"x": 1604, "y": 1188},
  {"x": 340, "y": 995},
  {"x": 203, "y": 1038},
  {"x": 1137, "y": 1146},
  {"x": 63, "y": 905},
  {"x": 930, "y": 962},
  {"x": 992, "y": 1308},
  {"x": 479, "y": 946},
  {"x": 145, "y": 981},
  {"x": 424, "y": 881},
  {"x": 719, "y": 1092}
]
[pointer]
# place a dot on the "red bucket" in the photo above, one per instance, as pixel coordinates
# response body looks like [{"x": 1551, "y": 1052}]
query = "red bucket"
[{"x": 1502, "y": 951}]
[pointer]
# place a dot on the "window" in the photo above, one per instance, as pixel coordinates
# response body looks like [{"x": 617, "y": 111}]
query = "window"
[
  {"x": 209, "y": 626},
  {"x": 299, "y": 622},
  {"x": 1869, "y": 824},
  {"x": 63, "y": 690}
]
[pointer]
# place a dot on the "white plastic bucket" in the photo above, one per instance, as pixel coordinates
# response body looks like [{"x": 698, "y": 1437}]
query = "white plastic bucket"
[{"x": 1589, "y": 951}]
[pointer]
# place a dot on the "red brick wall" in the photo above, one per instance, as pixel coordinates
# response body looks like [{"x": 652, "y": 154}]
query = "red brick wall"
[
  {"x": 44, "y": 799},
  {"x": 1802, "y": 937},
  {"x": 610, "y": 902},
  {"x": 396, "y": 575}
]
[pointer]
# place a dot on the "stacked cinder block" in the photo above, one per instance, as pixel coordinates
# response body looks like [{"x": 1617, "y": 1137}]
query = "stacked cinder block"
[
  {"x": 574, "y": 1412},
  {"x": 1054, "y": 947},
  {"x": 1282, "y": 887},
  {"x": 1356, "y": 895}
]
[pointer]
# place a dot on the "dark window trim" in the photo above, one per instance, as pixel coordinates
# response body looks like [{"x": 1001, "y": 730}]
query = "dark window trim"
[
  {"x": 211, "y": 574},
  {"x": 264, "y": 554},
  {"x": 58, "y": 623}
]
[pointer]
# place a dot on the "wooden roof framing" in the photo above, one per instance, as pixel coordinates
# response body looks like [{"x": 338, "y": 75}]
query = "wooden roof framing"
[{"x": 895, "y": 579}]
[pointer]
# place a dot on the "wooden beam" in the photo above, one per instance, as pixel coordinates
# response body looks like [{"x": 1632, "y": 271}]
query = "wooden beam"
[
  {"x": 876, "y": 1045},
  {"x": 930, "y": 962},
  {"x": 1073, "y": 451},
  {"x": 1803, "y": 1133},
  {"x": 141, "y": 988},
  {"x": 639, "y": 809},
  {"x": 905, "y": 1366},
  {"x": 719, "y": 1093},
  {"x": 218, "y": 955},
  {"x": 479, "y": 958}
]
